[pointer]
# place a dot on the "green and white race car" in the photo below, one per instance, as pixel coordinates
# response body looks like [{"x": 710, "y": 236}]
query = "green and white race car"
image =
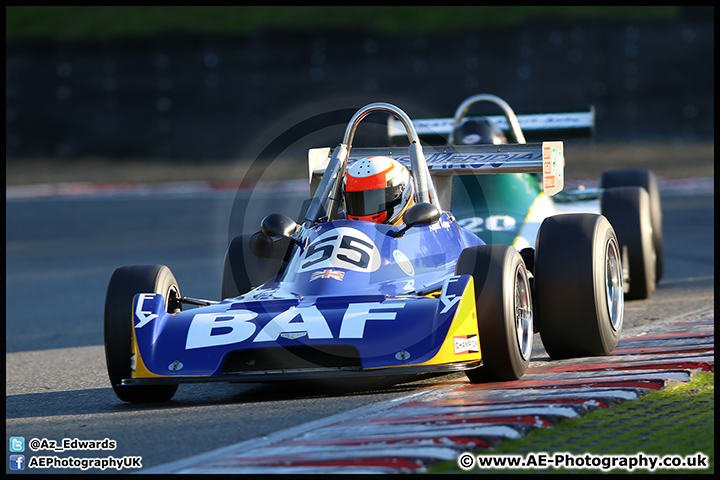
[{"x": 510, "y": 209}]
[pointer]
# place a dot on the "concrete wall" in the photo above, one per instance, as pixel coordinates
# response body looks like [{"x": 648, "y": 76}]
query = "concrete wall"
[{"x": 206, "y": 97}]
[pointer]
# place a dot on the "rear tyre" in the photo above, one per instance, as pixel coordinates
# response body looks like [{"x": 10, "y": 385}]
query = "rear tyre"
[
  {"x": 628, "y": 210},
  {"x": 125, "y": 283},
  {"x": 504, "y": 310},
  {"x": 578, "y": 285},
  {"x": 640, "y": 177},
  {"x": 243, "y": 270}
]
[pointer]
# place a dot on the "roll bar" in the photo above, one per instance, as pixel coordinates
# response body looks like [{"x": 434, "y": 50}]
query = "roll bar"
[
  {"x": 330, "y": 186},
  {"x": 486, "y": 97}
]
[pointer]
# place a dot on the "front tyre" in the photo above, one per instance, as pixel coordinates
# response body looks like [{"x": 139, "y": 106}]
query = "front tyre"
[
  {"x": 504, "y": 310},
  {"x": 125, "y": 283},
  {"x": 578, "y": 285}
]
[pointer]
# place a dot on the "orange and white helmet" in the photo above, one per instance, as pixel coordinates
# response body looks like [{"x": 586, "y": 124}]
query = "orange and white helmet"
[{"x": 377, "y": 189}]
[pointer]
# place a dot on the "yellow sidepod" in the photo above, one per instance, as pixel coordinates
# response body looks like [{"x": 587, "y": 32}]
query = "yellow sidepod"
[{"x": 462, "y": 343}]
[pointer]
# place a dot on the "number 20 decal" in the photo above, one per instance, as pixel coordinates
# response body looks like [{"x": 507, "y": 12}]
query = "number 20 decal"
[
  {"x": 495, "y": 223},
  {"x": 341, "y": 248}
]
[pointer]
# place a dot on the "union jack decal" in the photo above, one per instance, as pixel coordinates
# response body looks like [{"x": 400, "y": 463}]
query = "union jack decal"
[{"x": 336, "y": 274}]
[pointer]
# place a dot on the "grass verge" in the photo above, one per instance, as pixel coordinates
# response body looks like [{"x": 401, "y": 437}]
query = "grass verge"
[
  {"x": 105, "y": 21},
  {"x": 676, "y": 421}
]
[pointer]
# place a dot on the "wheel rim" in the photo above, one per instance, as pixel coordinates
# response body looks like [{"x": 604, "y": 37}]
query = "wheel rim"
[
  {"x": 523, "y": 313},
  {"x": 613, "y": 285}
]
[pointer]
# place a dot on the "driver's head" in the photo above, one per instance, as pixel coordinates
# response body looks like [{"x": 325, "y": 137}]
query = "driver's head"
[
  {"x": 478, "y": 131},
  {"x": 377, "y": 189}
]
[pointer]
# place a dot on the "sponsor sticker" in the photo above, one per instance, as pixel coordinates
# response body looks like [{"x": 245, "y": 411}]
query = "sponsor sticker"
[
  {"x": 236, "y": 326},
  {"x": 404, "y": 263},
  {"x": 145, "y": 316},
  {"x": 466, "y": 344},
  {"x": 328, "y": 273},
  {"x": 553, "y": 164},
  {"x": 293, "y": 335}
]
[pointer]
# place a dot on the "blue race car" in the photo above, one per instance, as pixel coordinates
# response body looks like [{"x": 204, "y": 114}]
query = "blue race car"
[{"x": 334, "y": 297}]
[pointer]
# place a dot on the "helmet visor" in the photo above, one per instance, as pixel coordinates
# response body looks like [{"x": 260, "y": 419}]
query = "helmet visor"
[{"x": 370, "y": 202}]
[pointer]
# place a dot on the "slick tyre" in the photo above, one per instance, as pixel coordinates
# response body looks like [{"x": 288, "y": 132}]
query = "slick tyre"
[
  {"x": 628, "y": 210},
  {"x": 125, "y": 283},
  {"x": 504, "y": 311},
  {"x": 640, "y": 177},
  {"x": 578, "y": 285},
  {"x": 243, "y": 270}
]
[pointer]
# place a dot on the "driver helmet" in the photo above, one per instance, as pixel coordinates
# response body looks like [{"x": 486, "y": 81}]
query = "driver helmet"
[
  {"x": 377, "y": 189},
  {"x": 478, "y": 131}
]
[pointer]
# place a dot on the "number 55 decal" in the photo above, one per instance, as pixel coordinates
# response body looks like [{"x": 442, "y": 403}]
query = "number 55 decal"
[{"x": 341, "y": 248}]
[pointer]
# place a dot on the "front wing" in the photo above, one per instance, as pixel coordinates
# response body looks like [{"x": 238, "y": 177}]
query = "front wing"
[{"x": 317, "y": 338}]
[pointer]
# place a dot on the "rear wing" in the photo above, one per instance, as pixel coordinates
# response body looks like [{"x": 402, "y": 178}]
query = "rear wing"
[
  {"x": 546, "y": 159},
  {"x": 534, "y": 126}
]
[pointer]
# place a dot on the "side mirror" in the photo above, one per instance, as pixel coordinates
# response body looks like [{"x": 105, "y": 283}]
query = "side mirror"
[
  {"x": 277, "y": 225},
  {"x": 419, "y": 214}
]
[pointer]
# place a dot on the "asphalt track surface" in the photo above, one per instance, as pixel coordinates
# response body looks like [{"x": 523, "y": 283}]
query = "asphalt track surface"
[{"x": 61, "y": 252}]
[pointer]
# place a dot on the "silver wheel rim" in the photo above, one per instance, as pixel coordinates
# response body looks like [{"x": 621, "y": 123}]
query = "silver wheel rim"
[
  {"x": 523, "y": 313},
  {"x": 614, "y": 285},
  {"x": 172, "y": 295}
]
